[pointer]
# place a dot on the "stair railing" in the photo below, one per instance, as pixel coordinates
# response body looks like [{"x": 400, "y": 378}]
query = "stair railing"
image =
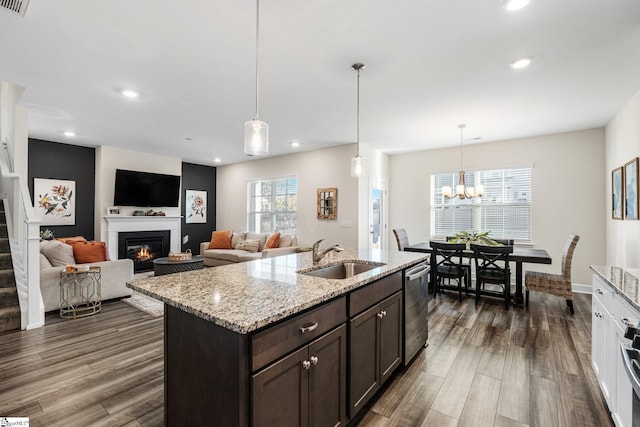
[{"x": 24, "y": 239}]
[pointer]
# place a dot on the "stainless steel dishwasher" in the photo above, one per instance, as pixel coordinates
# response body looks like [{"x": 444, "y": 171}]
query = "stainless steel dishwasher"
[{"x": 416, "y": 292}]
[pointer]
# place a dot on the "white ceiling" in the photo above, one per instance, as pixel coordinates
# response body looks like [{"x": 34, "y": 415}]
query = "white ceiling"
[{"x": 431, "y": 64}]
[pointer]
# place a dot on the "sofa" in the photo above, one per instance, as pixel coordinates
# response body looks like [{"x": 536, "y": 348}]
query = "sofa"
[
  {"x": 245, "y": 246},
  {"x": 56, "y": 254}
]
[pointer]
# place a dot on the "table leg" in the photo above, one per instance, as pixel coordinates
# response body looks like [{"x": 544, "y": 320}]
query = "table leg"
[{"x": 517, "y": 297}]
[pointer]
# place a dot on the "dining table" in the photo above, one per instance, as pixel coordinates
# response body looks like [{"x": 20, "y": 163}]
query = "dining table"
[{"x": 519, "y": 256}]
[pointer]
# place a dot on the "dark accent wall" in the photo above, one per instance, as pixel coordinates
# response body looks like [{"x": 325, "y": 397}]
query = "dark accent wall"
[
  {"x": 201, "y": 178},
  {"x": 52, "y": 160}
]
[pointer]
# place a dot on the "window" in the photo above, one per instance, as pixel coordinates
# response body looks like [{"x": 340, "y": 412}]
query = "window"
[
  {"x": 504, "y": 209},
  {"x": 273, "y": 205}
]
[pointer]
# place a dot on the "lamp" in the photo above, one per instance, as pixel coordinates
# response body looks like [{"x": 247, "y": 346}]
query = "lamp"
[
  {"x": 462, "y": 191},
  {"x": 256, "y": 132},
  {"x": 357, "y": 162}
]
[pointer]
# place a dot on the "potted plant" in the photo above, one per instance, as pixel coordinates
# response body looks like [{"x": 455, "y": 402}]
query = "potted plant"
[{"x": 474, "y": 237}]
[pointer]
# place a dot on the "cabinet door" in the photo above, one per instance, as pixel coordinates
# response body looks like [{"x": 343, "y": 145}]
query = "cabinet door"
[
  {"x": 280, "y": 393},
  {"x": 390, "y": 335},
  {"x": 597, "y": 337},
  {"x": 328, "y": 379},
  {"x": 364, "y": 374}
]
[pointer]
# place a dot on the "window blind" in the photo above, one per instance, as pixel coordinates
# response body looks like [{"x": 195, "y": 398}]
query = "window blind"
[{"x": 504, "y": 209}]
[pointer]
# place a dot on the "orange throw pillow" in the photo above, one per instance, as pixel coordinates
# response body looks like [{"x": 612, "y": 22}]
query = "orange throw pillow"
[
  {"x": 71, "y": 239},
  {"x": 221, "y": 239},
  {"x": 273, "y": 241},
  {"x": 85, "y": 252}
]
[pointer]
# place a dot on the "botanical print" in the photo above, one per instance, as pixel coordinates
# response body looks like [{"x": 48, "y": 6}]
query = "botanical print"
[
  {"x": 196, "y": 206},
  {"x": 55, "y": 201}
]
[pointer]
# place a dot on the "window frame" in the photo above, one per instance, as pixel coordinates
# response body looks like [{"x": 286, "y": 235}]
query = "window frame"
[
  {"x": 514, "y": 202},
  {"x": 254, "y": 215}
]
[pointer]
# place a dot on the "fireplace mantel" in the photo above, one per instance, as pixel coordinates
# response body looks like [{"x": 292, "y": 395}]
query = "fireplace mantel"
[{"x": 116, "y": 224}]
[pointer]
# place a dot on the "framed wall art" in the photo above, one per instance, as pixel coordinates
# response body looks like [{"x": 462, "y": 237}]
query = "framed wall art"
[
  {"x": 327, "y": 201},
  {"x": 196, "y": 207},
  {"x": 617, "y": 195},
  {"x": 55, "y": 201},
  {"x": 113, "y": 211},
  {"x": 630, "y": 179}
]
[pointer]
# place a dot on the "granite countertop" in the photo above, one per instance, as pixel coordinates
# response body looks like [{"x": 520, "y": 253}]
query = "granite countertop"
[
  {"x": 624, "y": 281},
  {"x": 247, "y": 296}
]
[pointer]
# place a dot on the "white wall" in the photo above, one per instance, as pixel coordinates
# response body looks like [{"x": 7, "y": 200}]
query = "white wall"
[
  {"x": 328, "y": 167},
  {"x": 622, "y": 145},
  {"x": 568, "y": 191},
  {"x": 108, "y": 159}
]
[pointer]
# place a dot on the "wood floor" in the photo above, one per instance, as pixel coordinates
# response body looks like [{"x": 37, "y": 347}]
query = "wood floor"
[{"x": 484, "y": 367}]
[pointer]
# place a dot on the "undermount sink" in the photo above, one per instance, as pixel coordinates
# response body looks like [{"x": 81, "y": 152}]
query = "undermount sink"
[{"x": 343, "y": 270}]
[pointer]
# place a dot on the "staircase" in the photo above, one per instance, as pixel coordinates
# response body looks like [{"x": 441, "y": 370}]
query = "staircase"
[{"x": 9, "y": 305}]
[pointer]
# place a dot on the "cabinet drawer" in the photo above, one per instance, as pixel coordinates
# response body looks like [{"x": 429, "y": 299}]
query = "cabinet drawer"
[
  {"x": 278, "y": 340},
  {"x": 373, "y": 293},
  {"x": 603, "y": 292}
]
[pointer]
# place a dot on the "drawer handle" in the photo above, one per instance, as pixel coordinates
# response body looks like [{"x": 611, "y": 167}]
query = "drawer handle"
[
  {"x": 599, "y": 291},
  {"x": 314, "y": 360},
  {"x": 308, "y": 328},
  {"x": 625, "y": 321},
  {"x": 382, "y": 314},
  {"x": 306, "y": 364}
]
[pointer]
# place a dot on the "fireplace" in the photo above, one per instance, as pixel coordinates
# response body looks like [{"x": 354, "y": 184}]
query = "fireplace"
[{"x": 143, "y": 247}]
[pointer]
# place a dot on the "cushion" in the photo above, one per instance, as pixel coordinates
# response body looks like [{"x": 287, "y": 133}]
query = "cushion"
[
  {"x": 285, "y": 241},
  {"x": 273, "y": 241},
  {"x": 249, "y": 245},
  {"x": 85, "y": 252},
  {"x": 44, "y": 262},
  {"x": 235, "y": 237},
  {"x": 59, "y": 254},
  {"x": 220, "y": 240},
  {"x": 68, "y": 240},
  {"x": 258, "y": 236}
]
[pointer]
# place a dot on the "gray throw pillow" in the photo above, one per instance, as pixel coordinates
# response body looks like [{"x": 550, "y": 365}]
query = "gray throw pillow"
[{"x": 59, "y": 254}]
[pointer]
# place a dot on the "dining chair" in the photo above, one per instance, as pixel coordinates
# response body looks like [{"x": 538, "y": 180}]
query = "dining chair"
[
  {"x": 446, "y": 266},
  {"x": 401, "y": 238},
  {"x": 554, "y": 284},
  {"x": 492, "y": 266}
]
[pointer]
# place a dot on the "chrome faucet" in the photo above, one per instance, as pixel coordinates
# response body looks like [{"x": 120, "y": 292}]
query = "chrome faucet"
[{"x": 317, "y": 256}]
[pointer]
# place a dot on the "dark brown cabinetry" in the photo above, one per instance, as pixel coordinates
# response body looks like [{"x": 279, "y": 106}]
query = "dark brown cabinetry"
[
  {"x": 375, "y": 347},
  {"x": 305, "y": 388}
]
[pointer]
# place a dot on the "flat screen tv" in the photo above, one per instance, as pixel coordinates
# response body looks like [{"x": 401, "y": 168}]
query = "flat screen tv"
[{"x": 146, "y": 189}]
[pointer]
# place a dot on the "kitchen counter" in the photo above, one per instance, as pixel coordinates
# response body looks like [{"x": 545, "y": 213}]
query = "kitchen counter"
[
  {"x": 247, "y": 296},
  {"x": 624, "y": 281}
]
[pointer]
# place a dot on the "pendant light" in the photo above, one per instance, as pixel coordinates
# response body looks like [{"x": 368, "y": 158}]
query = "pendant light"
[
  {"x": 462, "y": 191},
  {"x": 357, "y": 162},
  {"x": 256, "y": 132}
]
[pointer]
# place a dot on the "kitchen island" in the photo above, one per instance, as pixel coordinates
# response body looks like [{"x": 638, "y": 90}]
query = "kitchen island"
[{"x": 259, "y": 343}]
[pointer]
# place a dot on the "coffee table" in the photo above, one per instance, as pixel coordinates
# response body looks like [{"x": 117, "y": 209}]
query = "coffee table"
[{"x": 162, "y": 266}]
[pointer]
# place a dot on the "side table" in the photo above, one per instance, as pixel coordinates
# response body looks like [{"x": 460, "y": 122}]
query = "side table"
[
  {"x": 80, "y": 293},
  {"x": 162, "y": 266}
]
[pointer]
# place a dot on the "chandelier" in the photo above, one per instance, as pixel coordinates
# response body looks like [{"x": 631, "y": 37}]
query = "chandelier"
[
  {"x": 462, "y": 191},
  {"x": 256, "y": 132}
]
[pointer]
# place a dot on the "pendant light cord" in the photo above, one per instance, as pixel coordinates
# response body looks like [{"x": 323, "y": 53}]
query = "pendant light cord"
[
  {"x": 461, "y": 149},
  {"x": 257, "y": 53},
  {"x": 358, "y": 115}
]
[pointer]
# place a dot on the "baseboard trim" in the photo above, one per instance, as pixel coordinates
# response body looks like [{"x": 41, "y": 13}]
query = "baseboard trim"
[{"x": 581, "y": 289}]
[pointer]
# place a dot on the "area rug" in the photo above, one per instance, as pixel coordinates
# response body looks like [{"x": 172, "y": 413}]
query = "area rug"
[{"x": 144, "y": 303}]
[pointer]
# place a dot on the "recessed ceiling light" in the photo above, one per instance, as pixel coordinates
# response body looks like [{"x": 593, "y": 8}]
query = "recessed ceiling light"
[
  {"x": 295, "y": 144},
  {"x": 513, "y": 5},
  {"x": 129, "y": 93},
  {"x": 217, "y": 160},
  {"x": 521, "y": 63},
  {"x": 69, "y": 134}
]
